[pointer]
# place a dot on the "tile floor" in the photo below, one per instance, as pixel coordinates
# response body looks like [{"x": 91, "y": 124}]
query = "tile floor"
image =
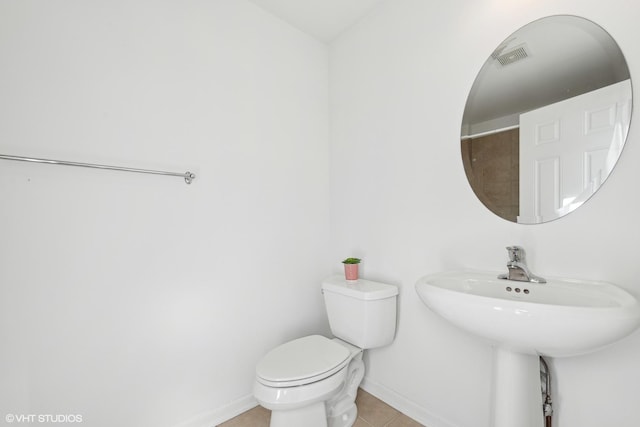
[{"x": 372, "y": 412}]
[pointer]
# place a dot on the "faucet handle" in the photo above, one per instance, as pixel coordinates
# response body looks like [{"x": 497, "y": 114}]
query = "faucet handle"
[{"x": 516, "y": 253}]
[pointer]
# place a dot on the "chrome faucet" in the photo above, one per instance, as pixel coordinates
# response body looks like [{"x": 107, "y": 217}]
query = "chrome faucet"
[{"x": 518, "y": 269}]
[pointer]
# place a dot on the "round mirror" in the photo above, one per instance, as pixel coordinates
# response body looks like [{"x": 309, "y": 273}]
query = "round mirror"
[{"x": 546, "y": 119}]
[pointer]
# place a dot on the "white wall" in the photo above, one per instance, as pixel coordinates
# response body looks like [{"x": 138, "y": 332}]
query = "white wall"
[
  {"x": 136, "y": 300},
  {"x": 400, "y": 200}
]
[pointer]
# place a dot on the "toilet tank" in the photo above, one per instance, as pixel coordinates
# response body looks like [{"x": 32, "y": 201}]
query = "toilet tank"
[{"x": 362, "y": 312}]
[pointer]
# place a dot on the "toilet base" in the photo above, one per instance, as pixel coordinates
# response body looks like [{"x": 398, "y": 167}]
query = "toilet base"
[
  {"x": 341, "y": 409},
  {"x": 313, "y": 415},
  {"x": 345, "y": 419}
]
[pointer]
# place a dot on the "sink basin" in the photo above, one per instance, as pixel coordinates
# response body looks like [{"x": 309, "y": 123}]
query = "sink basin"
[{"x": 562, "y": 317}]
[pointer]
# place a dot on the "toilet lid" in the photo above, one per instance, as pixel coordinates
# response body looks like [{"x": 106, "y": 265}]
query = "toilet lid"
[{"x": 302, "y": 361}]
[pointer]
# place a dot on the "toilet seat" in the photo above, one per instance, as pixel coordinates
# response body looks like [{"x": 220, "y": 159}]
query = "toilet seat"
[{"x": 302, "y": 361}]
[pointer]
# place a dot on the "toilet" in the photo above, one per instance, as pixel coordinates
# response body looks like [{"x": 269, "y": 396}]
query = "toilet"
[{"x": 312, "y": 381}]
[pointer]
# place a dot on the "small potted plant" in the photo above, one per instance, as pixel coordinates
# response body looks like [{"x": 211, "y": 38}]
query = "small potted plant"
[{"x": 351, "y": 268}]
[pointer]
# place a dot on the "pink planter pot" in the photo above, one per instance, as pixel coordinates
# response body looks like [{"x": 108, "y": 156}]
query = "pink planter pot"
[{"x": 351, "y": 271}]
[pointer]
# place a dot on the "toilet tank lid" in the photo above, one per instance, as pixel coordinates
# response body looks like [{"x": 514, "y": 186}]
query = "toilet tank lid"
[{"x": 360, "y": 289}]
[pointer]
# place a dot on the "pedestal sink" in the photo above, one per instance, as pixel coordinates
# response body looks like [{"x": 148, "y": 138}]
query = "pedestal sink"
[{"x": 523, "y": 320}]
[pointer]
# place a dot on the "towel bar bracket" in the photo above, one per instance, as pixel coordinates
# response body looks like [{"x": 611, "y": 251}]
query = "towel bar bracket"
[{"x": 189, "y": 177}]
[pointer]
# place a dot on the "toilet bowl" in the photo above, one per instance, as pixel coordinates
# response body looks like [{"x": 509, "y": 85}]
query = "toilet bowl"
[{"x": 313, "y": 381}]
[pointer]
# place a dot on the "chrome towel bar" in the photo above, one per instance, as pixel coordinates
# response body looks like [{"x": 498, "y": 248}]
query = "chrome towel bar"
[{"x": 188, "y": 176}]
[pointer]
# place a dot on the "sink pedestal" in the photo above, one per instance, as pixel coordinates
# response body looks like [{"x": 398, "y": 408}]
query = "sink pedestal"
[{"x": 517, "y": 395}]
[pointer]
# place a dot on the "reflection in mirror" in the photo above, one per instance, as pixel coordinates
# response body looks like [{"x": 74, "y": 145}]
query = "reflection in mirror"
[{"x": 546, "y": 119}]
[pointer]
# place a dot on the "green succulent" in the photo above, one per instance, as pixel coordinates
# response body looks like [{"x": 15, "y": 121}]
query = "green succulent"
[{"x": 352, "y": 261}]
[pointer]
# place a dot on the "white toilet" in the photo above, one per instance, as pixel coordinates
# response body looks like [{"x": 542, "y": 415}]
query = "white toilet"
[{"x": 312, "y": 381}]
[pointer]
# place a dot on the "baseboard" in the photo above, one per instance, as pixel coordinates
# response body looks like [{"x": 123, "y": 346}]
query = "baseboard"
[
  {"x": 220, "y": 415},
  {"x": 404, "y": 405}
]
